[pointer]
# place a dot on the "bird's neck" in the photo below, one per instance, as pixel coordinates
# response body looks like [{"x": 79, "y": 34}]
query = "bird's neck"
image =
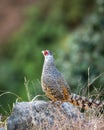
[
  {"x": 48, "y": 63},
  {"x": 49, "y": 60}
]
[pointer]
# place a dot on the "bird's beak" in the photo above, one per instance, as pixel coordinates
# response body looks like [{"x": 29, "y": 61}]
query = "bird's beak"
[{"x": 42, "y": 52}]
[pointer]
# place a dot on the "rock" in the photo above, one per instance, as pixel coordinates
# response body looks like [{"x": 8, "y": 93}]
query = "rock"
[
  {"x": 2, "y": 128},
  {"x": 41, "y": 115}
]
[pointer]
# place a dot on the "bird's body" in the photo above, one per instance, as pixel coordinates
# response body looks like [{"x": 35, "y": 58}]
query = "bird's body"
[
  {"x": 56, "y": 88},
  {"x": 53, "y": 84}
]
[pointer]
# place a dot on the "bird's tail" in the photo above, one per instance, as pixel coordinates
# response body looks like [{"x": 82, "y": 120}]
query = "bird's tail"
[{"x": 84, "y": 102}]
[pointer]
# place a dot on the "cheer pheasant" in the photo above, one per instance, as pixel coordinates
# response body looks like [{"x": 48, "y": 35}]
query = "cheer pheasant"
[{"x": 56, "y": 88}]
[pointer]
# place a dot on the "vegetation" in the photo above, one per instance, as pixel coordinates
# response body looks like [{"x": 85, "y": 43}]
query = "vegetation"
[
  {"x": 83, "y": 55},
  {"x": 48, "y": 26}
]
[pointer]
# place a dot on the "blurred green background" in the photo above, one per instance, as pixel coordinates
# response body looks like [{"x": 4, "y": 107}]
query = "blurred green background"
[{"x": 72, "y": 30}]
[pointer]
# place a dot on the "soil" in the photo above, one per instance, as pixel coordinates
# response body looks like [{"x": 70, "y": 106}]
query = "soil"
[{"x": 11, "y": 16}]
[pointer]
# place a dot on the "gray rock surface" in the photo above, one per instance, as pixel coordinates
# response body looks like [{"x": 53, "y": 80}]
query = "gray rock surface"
[
  {"x": 41, "y": 115},
  {"x": 2, "y": 128}
]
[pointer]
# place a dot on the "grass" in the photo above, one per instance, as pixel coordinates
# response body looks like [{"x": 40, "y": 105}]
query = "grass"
[
  {"x": 62, "y": 122},
  {"x": 94, "y": 119}
]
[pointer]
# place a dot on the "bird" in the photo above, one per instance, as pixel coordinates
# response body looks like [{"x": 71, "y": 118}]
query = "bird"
[{"x": 56, "y": 87}]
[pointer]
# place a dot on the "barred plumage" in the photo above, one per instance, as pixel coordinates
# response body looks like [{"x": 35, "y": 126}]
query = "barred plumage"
[{"x": 56, "y": 87}]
